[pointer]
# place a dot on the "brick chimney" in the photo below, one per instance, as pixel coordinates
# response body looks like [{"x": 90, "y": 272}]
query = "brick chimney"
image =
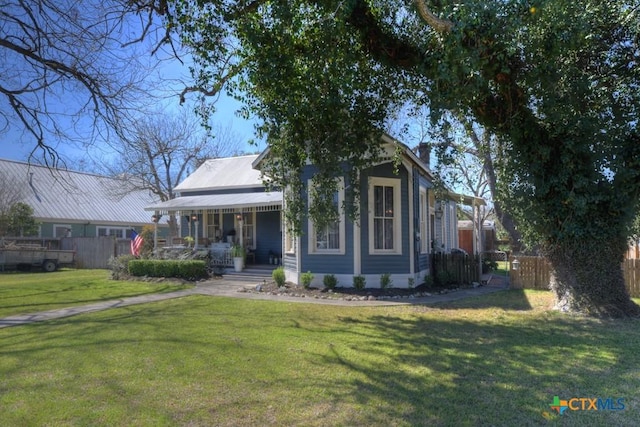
[{"x": 424, "y": 154}]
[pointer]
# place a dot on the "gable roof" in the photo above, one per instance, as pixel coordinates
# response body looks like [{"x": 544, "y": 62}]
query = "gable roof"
[
  {"x": 61, "y": 195},
  {"x": 389, "y": 146},
  {"x": 224, "y": 173}
]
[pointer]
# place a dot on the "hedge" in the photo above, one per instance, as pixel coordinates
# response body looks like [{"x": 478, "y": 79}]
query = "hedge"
[{"x": 184, "y": 269}]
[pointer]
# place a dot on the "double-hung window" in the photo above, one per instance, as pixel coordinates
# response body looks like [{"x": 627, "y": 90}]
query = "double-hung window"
[
  {"x": 384, "y": 216},
  {"x": 330, "y": 238}
]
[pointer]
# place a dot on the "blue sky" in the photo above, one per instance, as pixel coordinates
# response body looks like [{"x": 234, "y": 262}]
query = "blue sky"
[{"x": 16, "y": 145}]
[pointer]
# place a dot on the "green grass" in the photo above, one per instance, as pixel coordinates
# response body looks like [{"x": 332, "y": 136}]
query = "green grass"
[
  {"x": 22, "y": 293},
  {"x": 201, "y": 361},
  {"x": 503, "y": 268}
]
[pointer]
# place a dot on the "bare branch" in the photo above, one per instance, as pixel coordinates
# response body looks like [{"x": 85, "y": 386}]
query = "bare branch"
[{"x": 234, "y": 70}]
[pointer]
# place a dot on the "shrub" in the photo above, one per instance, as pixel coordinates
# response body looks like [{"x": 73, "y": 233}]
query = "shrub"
[
  {"x": 306, "y": 279},
  {"x": 278, "y": 276},
  {"x": 237, "y": 251},
  {"x": 330, "y": 281},
  {"x": 385, "y": 281},
  {"x": 147, "y": 234},
  {"x": 119, "y": 266},
  {"x": 359, "y": 282},
  {"x": 445, "y": 278},
  {"x": 187, "y": 269},
  {"x": 489, "y": 265},
  {"x": 428, "y": 281},
  {"x": 411, "y": 282}
]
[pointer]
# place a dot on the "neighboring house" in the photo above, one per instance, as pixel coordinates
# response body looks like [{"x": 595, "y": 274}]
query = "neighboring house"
[
  {"x": 401, "y": 223},
  {"x": 78, "y": 204},
  {"x": 224, "y": 201},
  {"x": 469, "y": 240}
]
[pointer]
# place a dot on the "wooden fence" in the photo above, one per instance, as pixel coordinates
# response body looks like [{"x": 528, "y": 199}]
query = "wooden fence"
[
  {"x": 454, "y": 268},
  {"x": 94, "y": 252},
  {"x": 535, "y": 273}
]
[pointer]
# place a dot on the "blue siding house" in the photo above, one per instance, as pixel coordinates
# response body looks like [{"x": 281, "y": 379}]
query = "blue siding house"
[{"x": 401, "y": 221}]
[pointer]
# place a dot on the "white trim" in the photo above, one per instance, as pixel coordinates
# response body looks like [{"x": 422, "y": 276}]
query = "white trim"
[
  {"x": 412, "y": 240},
  {"x": 396, "y": 184},
  {"x": 312, "y": 246},
  {"x": 357, "y": 248},
  {"x": 423, "y": 219},
  {"x": 108, "y": 231},
  {"x": 67, "y": 228}
]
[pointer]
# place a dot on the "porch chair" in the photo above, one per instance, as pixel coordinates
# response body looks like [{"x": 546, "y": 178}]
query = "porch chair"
[{"x": 250, "y": 254}]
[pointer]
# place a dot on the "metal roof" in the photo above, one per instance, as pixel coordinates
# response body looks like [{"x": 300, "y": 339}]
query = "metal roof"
[
  {"x": 59, "y": 195},
  {"x": 219, "y": 201},
  {"x": 225, "y": 173}
]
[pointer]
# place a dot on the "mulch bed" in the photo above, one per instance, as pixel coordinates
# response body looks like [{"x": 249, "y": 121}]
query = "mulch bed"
[{"x": 351, "y": 294}]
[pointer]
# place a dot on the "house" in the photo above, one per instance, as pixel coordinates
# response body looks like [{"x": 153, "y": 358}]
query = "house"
[
  {"x": 77, "y": 204},
  {"x": 225, "y": 202},
  {"x": 401, "y": 222},
  {"x": 468, "y": 240}
]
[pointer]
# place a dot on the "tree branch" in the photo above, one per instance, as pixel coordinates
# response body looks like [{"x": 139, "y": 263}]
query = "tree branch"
[{"x": 439, "y": 25}]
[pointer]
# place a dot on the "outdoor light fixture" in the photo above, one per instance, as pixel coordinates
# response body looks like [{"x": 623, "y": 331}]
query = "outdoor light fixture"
[
  {"x": 194, "y": 217},
  {"x": 515, "y": 265},
  {"x": 439, "y": 212},
  {"x": 239, "y": 217},
  {"x": 155, "y": 218}
]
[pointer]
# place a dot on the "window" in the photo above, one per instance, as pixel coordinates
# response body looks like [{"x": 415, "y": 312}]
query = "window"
[
  {"x": 248, "y": 229},
  {"x": 331, "y": 237},
  {"x": 213, "y": 225},
  {"x": 60, "y": 230},
  {"x": 117, "y": 232},
  {"x": 384, "y": 216}
]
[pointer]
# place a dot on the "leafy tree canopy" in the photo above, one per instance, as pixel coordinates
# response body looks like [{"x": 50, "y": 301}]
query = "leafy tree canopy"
[
  {"x": 557, "y": 83},
  {"x": 19, "y": 221}
]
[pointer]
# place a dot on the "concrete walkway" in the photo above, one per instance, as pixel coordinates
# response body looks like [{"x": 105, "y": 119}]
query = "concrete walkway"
[{"x": 234, "y": 288}]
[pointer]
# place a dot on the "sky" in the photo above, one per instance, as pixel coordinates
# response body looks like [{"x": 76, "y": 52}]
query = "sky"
[
  {"x": 118, "y": 58},
  {"x": 14, "y": 145}
]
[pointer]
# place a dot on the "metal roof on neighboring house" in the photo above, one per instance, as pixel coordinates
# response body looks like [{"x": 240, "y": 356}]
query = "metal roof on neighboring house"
[
  {"x": 59, "y": 195},
  {"x": 224, "y": 173}
]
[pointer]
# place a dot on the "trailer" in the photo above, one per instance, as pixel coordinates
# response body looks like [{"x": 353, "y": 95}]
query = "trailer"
[{"x": 15, "y": 256}]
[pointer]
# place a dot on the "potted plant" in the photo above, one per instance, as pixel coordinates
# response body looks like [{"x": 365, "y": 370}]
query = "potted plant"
[
  {"x": 189, "y": 240},
  {"x": 237, "y": 253}
]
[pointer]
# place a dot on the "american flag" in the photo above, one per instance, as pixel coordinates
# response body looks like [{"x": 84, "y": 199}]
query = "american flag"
[{"x": 136, "y": 243}]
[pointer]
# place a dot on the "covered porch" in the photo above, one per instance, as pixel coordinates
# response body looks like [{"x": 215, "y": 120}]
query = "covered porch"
[{"x": 219, "y": 221}]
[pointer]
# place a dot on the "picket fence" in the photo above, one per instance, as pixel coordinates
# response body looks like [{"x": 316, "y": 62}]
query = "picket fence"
[{"x": 535, "y": 273}]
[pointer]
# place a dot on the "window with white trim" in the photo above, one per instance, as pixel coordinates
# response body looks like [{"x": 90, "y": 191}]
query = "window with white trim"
[
  {"x": 117, "y": 232},
  {"x": 214, "y": 231},
  {"x": 330, "y": 239},
  {"x": 62, "y": 230},
  {"x": 384, "y": 216},
  {"x": 249, "y": 230}
]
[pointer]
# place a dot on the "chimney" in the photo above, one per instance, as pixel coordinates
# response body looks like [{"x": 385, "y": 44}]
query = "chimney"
[{"x": 424, "y": 153}]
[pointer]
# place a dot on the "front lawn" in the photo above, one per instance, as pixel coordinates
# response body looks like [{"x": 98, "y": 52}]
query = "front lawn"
[
  {"x": 23, "y": 293},
  {"x": 494, "y": 360}
]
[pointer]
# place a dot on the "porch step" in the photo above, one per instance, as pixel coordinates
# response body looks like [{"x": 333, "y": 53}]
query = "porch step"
[{"x": 254, "y": 273}]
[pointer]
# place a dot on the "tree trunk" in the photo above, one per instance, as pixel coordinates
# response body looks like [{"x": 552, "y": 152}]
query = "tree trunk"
[{"x": 588, "y": 279}]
